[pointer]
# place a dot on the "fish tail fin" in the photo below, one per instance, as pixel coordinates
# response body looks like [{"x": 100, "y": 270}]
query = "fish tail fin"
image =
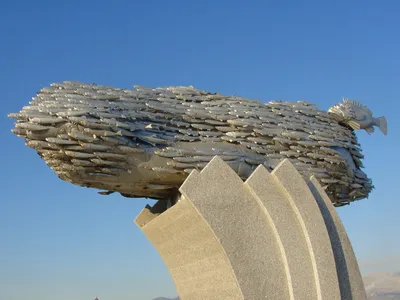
[{"x": 382, "y": 124}]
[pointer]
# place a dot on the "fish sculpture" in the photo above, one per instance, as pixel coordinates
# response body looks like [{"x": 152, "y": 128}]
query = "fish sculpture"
[
  {"x": 357, "y": 116},
  {"x": 144, "y": 142}
]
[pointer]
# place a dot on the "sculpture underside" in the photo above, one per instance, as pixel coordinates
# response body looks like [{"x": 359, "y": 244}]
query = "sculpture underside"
[{"x": 145, "y": 142}]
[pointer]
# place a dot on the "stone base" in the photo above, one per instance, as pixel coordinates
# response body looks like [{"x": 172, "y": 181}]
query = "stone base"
[{"x": 274, "y": 236}]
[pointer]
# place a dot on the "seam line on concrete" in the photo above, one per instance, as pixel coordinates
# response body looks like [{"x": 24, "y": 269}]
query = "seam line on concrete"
[
  {"x": 278, "y": 239},
  {"x": 306, "y": 236}
]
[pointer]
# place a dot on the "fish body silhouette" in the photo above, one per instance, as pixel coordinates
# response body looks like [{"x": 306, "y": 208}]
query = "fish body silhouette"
[
  {"x": 145, "y": 142},
  {"x": 358, "y": 116}
]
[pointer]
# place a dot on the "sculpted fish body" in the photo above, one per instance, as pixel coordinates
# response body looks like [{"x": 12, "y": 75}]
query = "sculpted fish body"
[
  {"x": 358, "y": 116},
  {"x": 145, "y": 142}
]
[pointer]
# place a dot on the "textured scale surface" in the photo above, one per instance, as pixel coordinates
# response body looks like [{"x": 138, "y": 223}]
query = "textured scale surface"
[{"x": 144, "y": 142}]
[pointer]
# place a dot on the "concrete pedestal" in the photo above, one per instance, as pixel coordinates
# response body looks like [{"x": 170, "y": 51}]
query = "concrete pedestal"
[{"x": 274, "y": 236}]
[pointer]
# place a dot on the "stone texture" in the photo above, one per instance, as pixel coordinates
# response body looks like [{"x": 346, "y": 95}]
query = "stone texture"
[
  {"x": 274, "y": 236},
  {"x": 240, "y": 224},
  {"x": 271, "y": 196},
  {"x": 314, "y": 231},
  {"x": 350, "y": 280},
  {"x": 193, "y": 254}
]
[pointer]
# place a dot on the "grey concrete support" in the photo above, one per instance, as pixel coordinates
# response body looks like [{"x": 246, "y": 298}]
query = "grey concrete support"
[
  {"x": 272, "y": 237},
  {"x": 350, "y": 279}
]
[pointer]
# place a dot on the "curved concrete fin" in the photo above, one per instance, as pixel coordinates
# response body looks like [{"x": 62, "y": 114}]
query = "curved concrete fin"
[
  {"x": 240, "y": 225},
  {"x": 273, "y": 237},
  {"x": 314, "y": 230},
  {"x": 192, "y": 253},
  {"x": 273, "y": 198},
  {"x": 349, "y": 276}
]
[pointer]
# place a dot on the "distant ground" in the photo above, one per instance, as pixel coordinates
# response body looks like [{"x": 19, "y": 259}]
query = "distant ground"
[
  {"x": 383, "y": 286},
  {"x": 379, "y": 286}
]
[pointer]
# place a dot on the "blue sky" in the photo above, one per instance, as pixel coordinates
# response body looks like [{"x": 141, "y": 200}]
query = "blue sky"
[{"x": 59, "y": 241}]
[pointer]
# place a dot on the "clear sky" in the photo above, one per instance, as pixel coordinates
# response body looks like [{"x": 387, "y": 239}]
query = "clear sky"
[{"x": 59, "y": 241}]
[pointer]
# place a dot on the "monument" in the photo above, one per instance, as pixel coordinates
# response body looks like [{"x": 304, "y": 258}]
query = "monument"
[{"x": 246, "y": 191}]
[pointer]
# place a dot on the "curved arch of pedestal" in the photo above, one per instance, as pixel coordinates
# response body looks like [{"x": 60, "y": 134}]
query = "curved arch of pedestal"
[{"x": 274, "y": 236}]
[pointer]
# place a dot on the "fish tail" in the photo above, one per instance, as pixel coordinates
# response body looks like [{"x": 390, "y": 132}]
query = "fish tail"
[{"x": 382, "y": 124}]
